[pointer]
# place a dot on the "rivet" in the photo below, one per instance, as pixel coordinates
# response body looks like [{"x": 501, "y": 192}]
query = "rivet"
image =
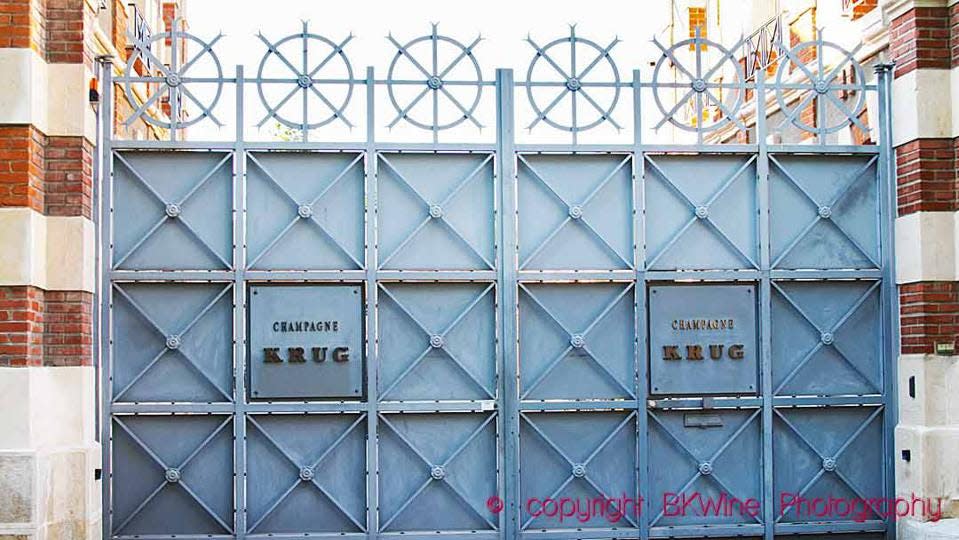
[
  {"x": 172, "y": 475},
  {"x": 577, "y": 341},
  {"x": 173, "y": 342},
  {"x": 576, "y": 211},
  {"x": 573, "y": 84},
  {"x": 437, "y": 472},
  {"x": 828, "y": 464},
  {"x": 437, "y": 341},
  {"x": 172, "y": 210},
  {"x": 173, "y": 80},
  {"x": 436, "y": 211},
  {"x": 821, "y": 86},
  {"x": 579, "y": 470},
  {"x": 304, "y": 81},
  {"x": 705, "y": 468},
  {"x": 306, "y": 474},
  {"x": 434, "y": 82},
  {"x": 702, "y": 212},
  {"x": 699, "y": 85},
  {"x": 825, "y": 212},
  {"x": 826, "y": 338},
  {"x": 305, "y": 211}
]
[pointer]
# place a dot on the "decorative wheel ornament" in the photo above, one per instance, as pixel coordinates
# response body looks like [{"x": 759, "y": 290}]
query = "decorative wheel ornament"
[
  {"x": 433, "y": 78},
  {"x": 697, "y": 84},
  {"x": 819, "y": 88},
  {"x": 173, "y": 80},
  {"x": 575, "y": 76},
  {"x": 313, "y": 67}
]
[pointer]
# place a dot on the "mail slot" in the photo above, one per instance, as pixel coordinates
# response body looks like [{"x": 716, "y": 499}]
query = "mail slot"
[{"x": 306, "y": 341}]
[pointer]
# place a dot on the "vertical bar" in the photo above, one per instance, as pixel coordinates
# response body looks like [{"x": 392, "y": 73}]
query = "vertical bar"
[
  {"x": 765, "y": 300},
  {"x": 104, "y": 231},
  {"x": 640, "y": 344},
  {"x": 239, "y": 312},
  {"x": 372, "y": 467},
  {"x": 506, "y": 273},
  {"x": 888, "y": 291}
]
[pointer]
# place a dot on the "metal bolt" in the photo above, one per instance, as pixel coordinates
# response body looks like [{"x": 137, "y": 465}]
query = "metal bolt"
[
  {"x": 173, "y": 342},
  {"x": 434, "y": 82},
  {"x": 437, "y": 472},
  {"x": 821, "y": 86},
  {"x": 173, "y": 80},
  {"x": 825, "y": 212},
  {"x": 573, "y": 84},
  {"x": 305, "y": 211},
  {"x": 577, "y": 341},
  {"x": 828, "y": 464},
  {"x": 705, "y": 468},
  {"x": 579, "y": 470},
  {"x": 306, "y": 474},
  {"x": 172, "y": 475},
  {"x": 172, "y": 210},
  {"x": 702, "y": 212},
  {"x": 437, "y": 341},
  {"x": 304, "y": 81},
  {"x": 699, "y": 85},
  {"x": 436, "y": 211},
  {"x": 576, "y": 211},
  {"x": 826, "y": 338}
]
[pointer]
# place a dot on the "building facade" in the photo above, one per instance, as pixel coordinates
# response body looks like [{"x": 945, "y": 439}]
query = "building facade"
[{"x": 52, "y": 54}]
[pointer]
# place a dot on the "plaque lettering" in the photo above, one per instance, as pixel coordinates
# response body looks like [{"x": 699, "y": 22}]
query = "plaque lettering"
[
  {"x": 296, "y": 355},
  {"x": 319, "y": 354},
  {"x": 271, "y": 355}
]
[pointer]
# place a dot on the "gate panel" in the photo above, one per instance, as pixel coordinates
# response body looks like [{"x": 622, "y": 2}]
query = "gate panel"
[
  {"x": 173, "y": 221},
  {"x": 701, "y": 212},
  {"x": 438, "y": 342},
  {"x": 436, "y": 211},
  {"x": 437, "y": 471},
  {"x": 575, "y": 212},
  {"x": 306, "y": 473},
  {"x": 308, "y": 211},
  {"x": 824, "y": 211}
]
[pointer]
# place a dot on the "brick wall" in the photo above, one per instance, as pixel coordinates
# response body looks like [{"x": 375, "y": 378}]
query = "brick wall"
[
  {"x": 926, "y": 176},
  {"x": 929, "y": 314},
  {"x": 45, "y": 328},
  {"x": 916, "y": 39},
  {"x": 21, "y": 167}
]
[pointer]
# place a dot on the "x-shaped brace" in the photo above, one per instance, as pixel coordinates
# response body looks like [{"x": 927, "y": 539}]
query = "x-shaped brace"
[
  {"x": 437, "y": 472},
  {"x": 825, "y": 211},
  {"x": 303, "y": 75},
  {"x": 172, "y": 475},
  {"x": 829, "y": 463},
  {"x": 173, "y": 211},
  {"x": 577, "y": 340},
  {"x": 305, "y": 211},
  {"x": 437, "y": 341},
  {"x": 305, "y": 473},
  {"x": 579, "y": 469},
  {"x": 437, "y": 211},
  {"x": 701, "y": 212},
  {"x": 575, "y": 212},
  {"x": 173, "y": 342},
  {"x": 826, "y": 335},
  {"x": 704, "y": 467}
]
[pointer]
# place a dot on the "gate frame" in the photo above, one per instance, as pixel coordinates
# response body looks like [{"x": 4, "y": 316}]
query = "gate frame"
[{"x": 507, "y": 277}]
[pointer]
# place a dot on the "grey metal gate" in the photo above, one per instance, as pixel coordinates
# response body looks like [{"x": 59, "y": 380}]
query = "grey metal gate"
[{"x": 521, "y": 305}]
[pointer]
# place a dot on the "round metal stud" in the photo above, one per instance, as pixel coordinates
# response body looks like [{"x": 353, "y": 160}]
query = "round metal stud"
[
  {"x": 573, "y": 84},
  {"x": 828, "y": 464},
  {"x": 702, "y": 212},
  {"x": 173, "y": 342},
  {"x": 436, "y": 211},
  {"x": 304, "y": 81},
  {"x": 172, "y": 475},
  {"x": 705, "y": 468},
  {"x": 437, "y": 341},
  {"x": 306, "y": 474},
  {"x": 821, "y": 86},
  {"x": 576, "y": 211},
  {"x": 437, "y": 472},
  {"x": 434, "y": 82},
  {"x": 577, "y": 341},
  {"x": 305, "y": 211},
  {"x": 173, "y": 80},
  {"x": 698, "y": 85},
  {"x": 826, "y": 338},
  {"x": 579, "y": 470},
  {"x": 172, "y": 210},
  {"x": 825, "y": 212}
]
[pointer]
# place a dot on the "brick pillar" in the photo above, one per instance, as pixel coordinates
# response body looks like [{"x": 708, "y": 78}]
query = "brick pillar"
[
  {"x": 48, "y": 449},
  {"x": 922, "y": 37}
]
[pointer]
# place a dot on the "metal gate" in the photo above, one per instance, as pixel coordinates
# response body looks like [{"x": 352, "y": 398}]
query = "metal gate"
[{"x": 514, "y": 360}]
